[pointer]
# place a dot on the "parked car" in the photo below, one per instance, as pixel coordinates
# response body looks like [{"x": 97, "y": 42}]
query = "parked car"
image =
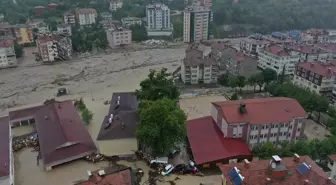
[
  {"x": 179, "y": 168},
  {"x": 161, "y": 160},
  {"x": 174, "y": 153},
  {"x": 169, "y": 168}
]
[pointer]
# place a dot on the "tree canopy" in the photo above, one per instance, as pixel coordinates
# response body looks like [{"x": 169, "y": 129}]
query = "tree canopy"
[
  {"x": 162, "y": 125},
  {"x": 157, "y": 85},
  {"x": 85, "y": 39}
]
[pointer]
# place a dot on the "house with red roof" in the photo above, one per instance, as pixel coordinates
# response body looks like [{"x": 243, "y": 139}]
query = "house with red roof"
[
  {"x": 236, "y": 126},
  {"x": 297, "y": 170},
  {"x": 309, "y": 52},
  {"x": 318, "y": 77},
  {"x": 278, "y": 58},
  {"x": 254, "y": 44},
  {"x": 86, "y": 16},
  {"x": 329, "y": 47},
  {"x": 109, "y": 176}
]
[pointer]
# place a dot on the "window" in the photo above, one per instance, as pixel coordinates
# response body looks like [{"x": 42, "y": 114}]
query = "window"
[
  {"x": 290, "y": 126},
  {"x": 255, "y": 136},
  {"x": 298, "y": 129},
  {"x": 280, "y": 133},
  {"x": 282, "y": 125}
]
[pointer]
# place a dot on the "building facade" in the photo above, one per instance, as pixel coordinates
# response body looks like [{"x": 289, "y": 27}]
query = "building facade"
[
  {"x": 38, "y": 24},
  {"x": 254, "y": 44},
  {"x": 158, "y": 20},
  {"x": 64, "y": 29},
  {"x": 240, "y": 64},
  {"x": 7, "y": 54},
  {"x": 119, "y": 37},
  {"x": 54, "y": 47},
  {"x": 199, "y": 66},
  {"x": 318, "y": 77},
  {"x": 283, "y": 120},
  {"x": 86, "y": 16},
  {"x": 115, "y": 5},
  {"x": 69, "y": 18},
  {"x": 277, "y": 58},
  {"x": 129, "y": 21},
  {"x": 196, "y": 24},
  {"x": 309, "y": 52}
]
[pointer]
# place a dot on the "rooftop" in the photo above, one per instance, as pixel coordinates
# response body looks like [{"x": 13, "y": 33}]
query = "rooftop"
[
  {"x": 197, "y": 54},
  {"x": 306, "y": 48},
  {"x": 277, "y": 40},
  {"x": 4, "y": 149},
  {"x": 62, "y": 135},
  {"x": 277, "y": 50},
  {"x": 48, "y": 38},
  {"x": 321, "y": 68},
  {"x": 332, "y": 157},
  {"x": 240, "y": 57},
  {"x": 124, "y": 120},
  {"x": 208, "y": 143},
  {"x": 261, "y": 110},
  {"x": 6, "y": 43},
  {"x": 24, "y": 112},
  {"x": 257, "y": 42},
  {"x": 86, "y": 11},
  {"x": 115, "y": 176},
  {"x": 290, "y": 171},
  {"x": 327, "y": 46}
]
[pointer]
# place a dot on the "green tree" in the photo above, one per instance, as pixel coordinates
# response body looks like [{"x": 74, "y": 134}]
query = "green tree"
[
  {"x": 233, "y": 82},
  {"x": 87, "y": 116},
  {"x": 260, "y": 80},
  {"x": 269, "y": 75},
  {"x": 241, "y": 82},
  {"x": 252, "y": 81},
  {"x": 162, "y": 125},
  {"x": 266, "y": 150},
  {"x": 234, "y": 96},
  {"x": 223, "y": 79},
  {"x": 139, "y": 33},
  {"x": 18, "y": 50},
  {"x": 157, "y": 85}
]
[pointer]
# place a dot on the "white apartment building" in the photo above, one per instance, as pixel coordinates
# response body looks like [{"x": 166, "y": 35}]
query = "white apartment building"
[
  {"x": 277, "y": 58},
  {"x": 318, "y": 77},
  {"x": 158, "y": 20},
  {"x": 332, "y": 166},
  {"x": 128, "y": 21},
  {"x": 54, "y": 47},
  {"x": 254, "y": 44},
  {"x": 119, "y": 37},
  {"x": 199, "y": 66},
  {"x": 86, "y": 16},
  {"x": 283, "y": 119},
  {"x": 309, "y": 52},
  {"x": 196, "y": 24},
  {"x": 69, "y": 18},
  {"x": 115, "y": 5},
  {"x": 64, "y": 29},
  {"x": 7, "y": 54},
  {"x": 38, "y": 24}
]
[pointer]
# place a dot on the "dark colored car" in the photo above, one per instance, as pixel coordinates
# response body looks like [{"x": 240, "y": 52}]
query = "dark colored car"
[{"x": 174, "y": 153}]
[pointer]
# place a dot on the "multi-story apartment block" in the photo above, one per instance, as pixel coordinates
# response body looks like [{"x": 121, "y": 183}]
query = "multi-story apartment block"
[
  {"x": 7, "y": 54},
  {"x": 277, "y": 58},
  {"x": 309, "y": 52},
  {"x": 54, "y": 47},
  {"x": 280, "y": 38},
  {"x": 254, "y": 44},
  {"x": 298, "y": 170},
  {"x": 69, "y": 18},
  {"x": 115, "y": 5},
  {"x": 158, "y": 20},
  {"x": 86, "y": 16},
  {"x": 64, "y": 29},
  {"x": 283, "y": 119},
  {"x": 240, "y": 64},
  {"x": 106, "y": 16},
  {"x": 196, "y": 24},
  {"x": 205, "y": 3},
  {"x": 328, "y": 47},
  {"x": 129, "y": 21},
  {"x": 318, "y": 77},
  {"x": 199, "y": 65},
  {"x": 119, "y": 37},
  {"x": 38, "y": 24}
]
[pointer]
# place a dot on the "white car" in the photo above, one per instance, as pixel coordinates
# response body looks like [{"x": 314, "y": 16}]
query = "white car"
[{"x": 169, "y": 168}]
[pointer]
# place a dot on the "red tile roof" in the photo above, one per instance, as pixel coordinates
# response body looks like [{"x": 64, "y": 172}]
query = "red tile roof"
[
  {"x": 4, "y": 147},
  {"x": 87, "y": 11},
  {"x": 61, "y": 133},
  {"x": 261, "y": 110},
  {"x": 332, "y": 157},
  {"x": 208, "y": 143},
  {"x": 257, "y": 42},
  {"x": 307, "y": 48},
  {"x": 111, "y": 177},
  {"x": 327, "y": 46},
  {"x": 259, "y": 171},
  {"x": 324, "y": 69},
  {"x": 6, "y": 43},
  {"x": 276, "y": 50},
  {"x": 240, "y": 56}
]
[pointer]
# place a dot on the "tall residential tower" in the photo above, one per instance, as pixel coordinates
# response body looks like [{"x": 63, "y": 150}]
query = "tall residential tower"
[
  {"x": 196, "y": 24},
  {"x": 158, "y": 20}
]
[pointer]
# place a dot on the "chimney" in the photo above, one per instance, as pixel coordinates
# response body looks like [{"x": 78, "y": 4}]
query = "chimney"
[
  {"x": 246, "y": 163},
  {"x": 329, "y": 70},
  {"x": 296, "y": 158}
]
